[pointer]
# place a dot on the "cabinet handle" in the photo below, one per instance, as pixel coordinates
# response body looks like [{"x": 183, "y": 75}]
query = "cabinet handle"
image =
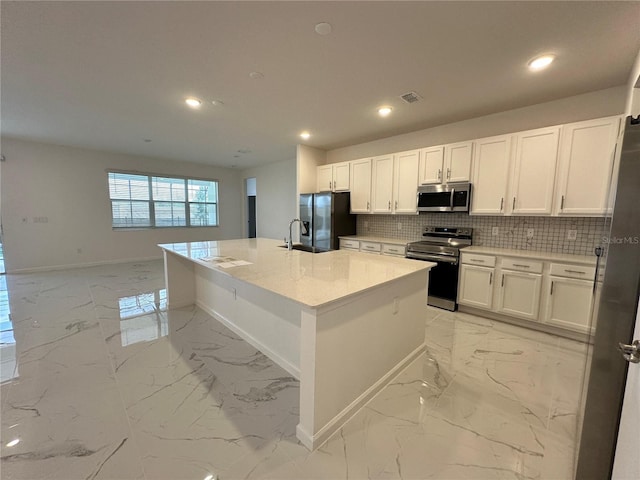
[
  {"x": 367, "y": 205},
  {"x": 396, "y": 204},
  {"x": 334, "y": 184},
  {"x": 476, "y": 260},
  {"x": 329, "y": 184},
  {"x": 574, "y": 271},
  {"x": 440, "y": 174},
  {"x": 551, "y": 292},
  {"x": 521, "y": 265},
  {"x": 562, "y": 203},
  {"x": 502, "y": 281},
  {"x": 389, "y": 204},
  {"x": 490, "y": 278},
  {"x": 501, "y": 203},
  {"x": 448, "y": 173}
]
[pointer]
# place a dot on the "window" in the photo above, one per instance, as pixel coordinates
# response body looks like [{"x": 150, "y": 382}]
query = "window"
[{"x": 139, "y": 201}]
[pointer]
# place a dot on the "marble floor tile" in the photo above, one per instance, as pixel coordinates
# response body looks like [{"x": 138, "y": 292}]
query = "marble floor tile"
[{"x": 105, "y": 383}]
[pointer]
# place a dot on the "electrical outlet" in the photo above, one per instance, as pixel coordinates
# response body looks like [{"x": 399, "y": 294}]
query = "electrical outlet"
[
  {"x": 399, "y": 226},
  {"x": 495, "y": 231},
  {"x": 572, "y": 234},
  {"x": 530, "y": 232}
]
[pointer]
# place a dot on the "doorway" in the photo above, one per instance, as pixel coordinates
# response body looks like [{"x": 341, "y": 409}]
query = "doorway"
[{"x": 250, "y": 188}]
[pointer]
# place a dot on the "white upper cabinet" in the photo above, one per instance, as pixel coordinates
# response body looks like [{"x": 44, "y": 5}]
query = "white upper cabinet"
[
  {"x": 585, "y": 167},
  {"x": 333, "y": 178},
  {"x": 534, "y": 172},
  {"x": 431, "y": 162},
  {"x": 382, "y": 185},
  {"x": 361, "y": 186},
  {"x": 405, "y": 185},
  {"x": 490, "y": 178},
  {"x": 324, "y": 178},
  {"x": 457, "y": 162}
]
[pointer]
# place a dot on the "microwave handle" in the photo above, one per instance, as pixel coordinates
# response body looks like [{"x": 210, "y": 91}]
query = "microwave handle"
[{"x": 453, "y": 192}]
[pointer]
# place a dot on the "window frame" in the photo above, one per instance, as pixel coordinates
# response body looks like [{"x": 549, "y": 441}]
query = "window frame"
[{"x": 151, "y": 202}]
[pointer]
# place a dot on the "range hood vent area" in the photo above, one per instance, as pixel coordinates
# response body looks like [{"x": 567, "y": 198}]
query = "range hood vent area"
[{"x": 411, "y": 97}]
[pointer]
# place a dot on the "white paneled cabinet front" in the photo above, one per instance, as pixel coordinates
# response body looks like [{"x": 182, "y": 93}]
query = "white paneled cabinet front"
[
  {"x": 457, "y": 162},
  {"x": 534, "y": 172},
  {"x": 491, "y": 161},
  {"x": 333, "y": 178},
  {"x": 519, "y": 294},
  {"x": 476, "y": 286},
  {"x": 569, "y": 303},
  {"x": 361, "y": 186},
  {"x": 431, "y": 163},
  {"x": 405, "y": 184},
  {"x": 382, "y": 185},
  {"x": 585, "y": 167}
]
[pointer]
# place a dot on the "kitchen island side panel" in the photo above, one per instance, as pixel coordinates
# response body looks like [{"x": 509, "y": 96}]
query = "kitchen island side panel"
[{"x": 358, "y": 347}]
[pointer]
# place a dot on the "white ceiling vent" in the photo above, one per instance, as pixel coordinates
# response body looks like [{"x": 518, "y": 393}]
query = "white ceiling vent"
[{"x": 411, "y": 97}]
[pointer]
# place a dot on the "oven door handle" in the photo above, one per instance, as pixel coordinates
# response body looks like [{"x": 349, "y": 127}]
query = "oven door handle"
[{"x": 434, "y": 258}]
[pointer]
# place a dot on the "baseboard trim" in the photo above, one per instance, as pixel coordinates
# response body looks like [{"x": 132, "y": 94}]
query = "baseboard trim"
[
  {"x": 81, "y": 265},
  {"x": 312, "y": 442},
  {"x": 288, "y": 366}
]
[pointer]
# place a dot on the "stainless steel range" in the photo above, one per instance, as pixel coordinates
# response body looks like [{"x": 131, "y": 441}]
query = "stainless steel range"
[{"x": 442, "y": 245}]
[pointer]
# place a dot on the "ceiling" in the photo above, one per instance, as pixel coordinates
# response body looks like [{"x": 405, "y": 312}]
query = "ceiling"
[{"x": 110, "y": 75}]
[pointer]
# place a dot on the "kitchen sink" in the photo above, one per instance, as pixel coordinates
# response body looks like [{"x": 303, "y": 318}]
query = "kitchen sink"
[{"x": 305, "y": 248}]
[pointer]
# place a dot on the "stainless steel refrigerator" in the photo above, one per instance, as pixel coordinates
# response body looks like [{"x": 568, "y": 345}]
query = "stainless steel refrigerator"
[
  {"x": 325, "y": 217},
  {"x": 616, "y": 314}
]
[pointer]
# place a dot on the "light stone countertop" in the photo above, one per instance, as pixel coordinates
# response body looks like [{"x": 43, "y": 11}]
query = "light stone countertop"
[
  {"x": 311, "y": 279},
  {"x": 533, "y": 255},
  {"x": 364, "y": 238}
]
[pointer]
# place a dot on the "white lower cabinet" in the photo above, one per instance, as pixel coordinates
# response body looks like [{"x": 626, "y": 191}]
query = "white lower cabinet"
[
  {"x": 519, "y": 294},
  {"x": 566, "y": 301},
  {"x": 476, "y": 286},
  {"x": 569, "y": 303}
]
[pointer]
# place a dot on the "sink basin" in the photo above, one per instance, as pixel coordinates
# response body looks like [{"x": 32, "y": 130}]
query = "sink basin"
[{"x": 305, "y": 248}]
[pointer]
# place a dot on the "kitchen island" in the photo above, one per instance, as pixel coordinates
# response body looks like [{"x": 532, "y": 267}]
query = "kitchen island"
[{"x": 343, "y": 323}]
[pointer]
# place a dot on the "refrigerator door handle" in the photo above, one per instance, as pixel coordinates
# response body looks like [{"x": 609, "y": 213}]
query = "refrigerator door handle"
[{"x": 598, "y": 252}]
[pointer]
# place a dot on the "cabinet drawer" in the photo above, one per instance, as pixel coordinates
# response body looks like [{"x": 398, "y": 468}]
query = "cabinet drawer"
[
  {"x": 344, "y": 243},
  {"x": 521, "y": 265},
  {"x": 388, "y": 249},
  {"x": 370, "y": 247},
  {"x": 573, "y": 271},
  {"x": 475, "y": 259}
]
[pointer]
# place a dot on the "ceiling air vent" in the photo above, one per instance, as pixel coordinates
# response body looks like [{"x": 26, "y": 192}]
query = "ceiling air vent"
[{"x": 411, "y": 97}]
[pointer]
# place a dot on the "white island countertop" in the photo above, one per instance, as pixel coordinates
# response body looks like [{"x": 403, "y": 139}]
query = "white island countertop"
[{"x": 311, "y": 279}]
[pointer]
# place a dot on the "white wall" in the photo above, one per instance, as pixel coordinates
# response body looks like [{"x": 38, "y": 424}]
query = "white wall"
[
  {"x": 69, "y": 187},
  {"x": 633, "y": 100},
  {"x": 276, "y": 198},
  {"x": 308, "y": 158},
  {"x": 601, "y": 103}
]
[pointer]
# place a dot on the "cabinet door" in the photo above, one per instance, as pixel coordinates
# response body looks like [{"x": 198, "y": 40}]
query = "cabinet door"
[
  {"x": 534, "y": 172},
  {"x": 361, "y": 186},
  {"x": 382, "y": 185},
  {"x": 586, "y": 164},
  {"x": 324, "y": 178},
  {"x": 405, "y": 189},
  {"x": 569, "y": 303},
  {"x": 475, "y": 287},
  {"x": 519, "y": 294},
  {"x": 341, "y": 178},
  {"x": 457, "y": 161},
  {"x": 491, "y": 160},
  {"x": 431, "y": 161}
]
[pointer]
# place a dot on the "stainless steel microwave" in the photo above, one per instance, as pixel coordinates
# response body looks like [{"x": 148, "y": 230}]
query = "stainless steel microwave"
[{"x": 453, "y": 197}]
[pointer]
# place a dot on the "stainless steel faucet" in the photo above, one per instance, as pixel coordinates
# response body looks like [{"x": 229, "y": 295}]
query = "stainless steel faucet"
[{"x": 290, "y": 243}]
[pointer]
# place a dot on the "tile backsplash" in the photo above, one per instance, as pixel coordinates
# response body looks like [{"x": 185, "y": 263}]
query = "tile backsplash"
[{"x": 549, "y": 233}]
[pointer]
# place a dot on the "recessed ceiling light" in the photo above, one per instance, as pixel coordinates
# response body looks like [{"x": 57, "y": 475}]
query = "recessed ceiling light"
[
  {"x": 324, "y": 28},
  {"x": 384, "y": 111},
  {"x": 217, "y": 102},
  {"x": 305, "y": 135},
  {"x": 13, "y": 442},
  {"x": 256, "y": 75},
  {"x": 541, "y": 62},
  {"x": 193, "y": 102}
]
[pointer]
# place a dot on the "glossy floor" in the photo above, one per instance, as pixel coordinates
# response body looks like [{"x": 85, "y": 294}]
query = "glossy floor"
[{"x": 101, "y": 382}]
